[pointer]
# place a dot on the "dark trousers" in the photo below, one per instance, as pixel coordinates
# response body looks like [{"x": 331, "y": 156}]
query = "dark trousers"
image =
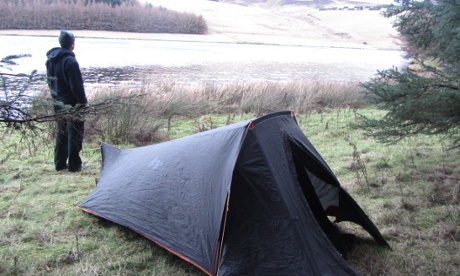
[{"x": 69, "y": 142}]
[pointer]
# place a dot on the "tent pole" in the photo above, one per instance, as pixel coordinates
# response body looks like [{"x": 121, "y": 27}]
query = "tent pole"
[{"x": 220, "y": 248}]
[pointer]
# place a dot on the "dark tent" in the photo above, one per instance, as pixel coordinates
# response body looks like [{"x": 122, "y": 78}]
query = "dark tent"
[{"x": 251, "y": 198}]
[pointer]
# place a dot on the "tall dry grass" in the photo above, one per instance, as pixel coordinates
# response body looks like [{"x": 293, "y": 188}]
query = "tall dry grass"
[{"x": 147, "y": 108}]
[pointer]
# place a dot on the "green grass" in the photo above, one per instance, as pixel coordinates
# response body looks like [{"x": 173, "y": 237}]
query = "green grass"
[{"x": 410, "y": 190}]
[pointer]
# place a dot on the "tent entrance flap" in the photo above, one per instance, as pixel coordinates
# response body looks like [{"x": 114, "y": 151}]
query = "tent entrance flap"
[
  {"x": 326, "y": 197},
  {"x": 310, "y": 192}
]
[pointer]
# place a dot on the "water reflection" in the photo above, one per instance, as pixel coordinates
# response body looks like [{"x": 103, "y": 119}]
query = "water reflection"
[{"x": 113, "y": 61}]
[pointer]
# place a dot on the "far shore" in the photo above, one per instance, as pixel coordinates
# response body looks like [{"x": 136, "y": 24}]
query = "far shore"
[
  {"x": 292, "y": 25},
  {"x": 209, "y": 38},
  {"x": 288, "y": 25}
]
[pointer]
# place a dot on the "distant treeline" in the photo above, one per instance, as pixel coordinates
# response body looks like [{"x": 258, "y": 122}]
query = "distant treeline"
[{"x": 88, "y": 15}]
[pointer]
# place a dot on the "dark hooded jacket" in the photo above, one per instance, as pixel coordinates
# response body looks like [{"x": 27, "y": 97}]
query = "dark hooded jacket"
[{"x": 64, "y": 77}]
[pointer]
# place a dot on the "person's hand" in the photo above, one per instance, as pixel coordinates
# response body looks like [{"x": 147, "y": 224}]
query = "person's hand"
[{"x": 80, "y": 106}]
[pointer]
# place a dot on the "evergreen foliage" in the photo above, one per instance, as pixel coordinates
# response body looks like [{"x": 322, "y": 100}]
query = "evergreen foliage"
[
  {"x": 425, "y": 98},
  {"x": 100, "y": 15},
  {"x": 113, "y": 3}
]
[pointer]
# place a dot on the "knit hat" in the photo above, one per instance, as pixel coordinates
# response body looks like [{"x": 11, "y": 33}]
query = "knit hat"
[{"x": 66, "y": 39}]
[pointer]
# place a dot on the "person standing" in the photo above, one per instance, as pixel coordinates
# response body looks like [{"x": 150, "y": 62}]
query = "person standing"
[{"x": 67, "y": 90}]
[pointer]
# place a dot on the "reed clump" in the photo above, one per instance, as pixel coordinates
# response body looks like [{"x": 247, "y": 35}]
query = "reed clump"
[{"x": 148, "y": 108}]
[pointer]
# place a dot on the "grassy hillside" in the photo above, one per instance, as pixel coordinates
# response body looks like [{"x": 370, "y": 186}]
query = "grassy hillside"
[
  {"x": 269, "y": 23},
  {"x": 290, "y": 24},
  {"x": 410, "y": 189}
]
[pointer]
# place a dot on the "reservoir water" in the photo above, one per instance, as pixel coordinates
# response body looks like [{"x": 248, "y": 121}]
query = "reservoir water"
[{"x": 108, "y": 60}]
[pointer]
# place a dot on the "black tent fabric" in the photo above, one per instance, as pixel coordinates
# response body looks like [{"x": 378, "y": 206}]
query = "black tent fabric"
[{"x": 251, "y": 198}]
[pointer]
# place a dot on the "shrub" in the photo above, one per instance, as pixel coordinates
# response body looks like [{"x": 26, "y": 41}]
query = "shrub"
[{"x": 132, "y": 119}]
